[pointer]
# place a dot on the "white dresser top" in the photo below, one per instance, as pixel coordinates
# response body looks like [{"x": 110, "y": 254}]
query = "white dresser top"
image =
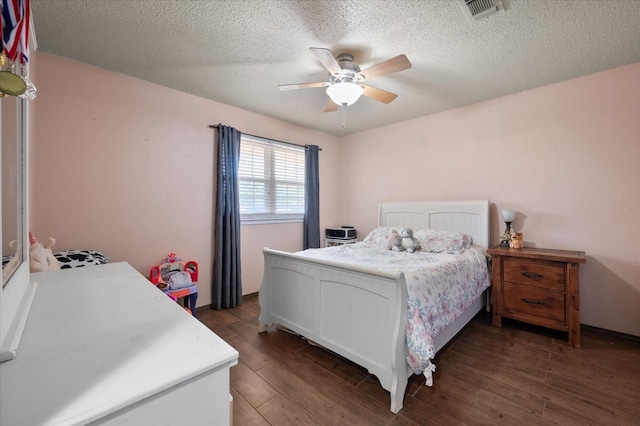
[{"x": 99, "y": 339}]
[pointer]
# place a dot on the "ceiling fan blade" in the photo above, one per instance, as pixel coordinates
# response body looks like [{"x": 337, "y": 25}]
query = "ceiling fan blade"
[
  {"x": 331, "y": 106},
  {"x": 378, "y": 94},
  {"x": 303, "y": 85},
  {"x": 396, "y": 64},
  {"x": 327, "y": 60}
]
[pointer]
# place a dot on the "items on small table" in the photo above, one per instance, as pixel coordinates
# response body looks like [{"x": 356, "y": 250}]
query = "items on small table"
[
  {"x": 340, "y": 236},
  {"x": 177, "y": 279}
]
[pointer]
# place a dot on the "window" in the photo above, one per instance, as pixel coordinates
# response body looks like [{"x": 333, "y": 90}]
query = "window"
[{"x": 270, "y": 180}]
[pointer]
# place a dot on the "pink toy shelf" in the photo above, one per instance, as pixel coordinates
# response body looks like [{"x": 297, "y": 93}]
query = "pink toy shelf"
[
  {"x": 157, "y": 272},
  {"x": 160, "y": 275},
  {"x": 188, "y": 294}
]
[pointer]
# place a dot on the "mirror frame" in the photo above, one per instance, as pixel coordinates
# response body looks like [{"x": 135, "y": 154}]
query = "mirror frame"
[
  {"x": 18, "y": 293},
  {"x": 10, "y": 168}
]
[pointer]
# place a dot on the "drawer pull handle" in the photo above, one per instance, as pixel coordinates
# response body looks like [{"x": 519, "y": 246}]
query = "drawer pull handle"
[
  {"x": 532, "y": 275},
  {"x": 532, "y": 302}
]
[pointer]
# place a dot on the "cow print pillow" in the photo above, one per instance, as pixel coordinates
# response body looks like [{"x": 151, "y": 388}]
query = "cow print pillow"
[{"x": 78, "y": 258}]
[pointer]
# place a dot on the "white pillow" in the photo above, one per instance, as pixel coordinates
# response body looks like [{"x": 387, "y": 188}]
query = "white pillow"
[
  {"x": 443, "y": 241},
  {"x": 379, "y": 237}
]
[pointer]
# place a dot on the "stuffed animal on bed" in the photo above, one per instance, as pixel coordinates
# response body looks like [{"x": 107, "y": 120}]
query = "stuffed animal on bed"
[
  {"x": 40, "y": 256},
  {"x": 406, "y": 241},
  {"x": 392, "y": 239}
]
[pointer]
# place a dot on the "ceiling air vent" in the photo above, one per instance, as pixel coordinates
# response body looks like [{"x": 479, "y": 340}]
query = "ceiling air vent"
[{"x": 478, "y": 9}]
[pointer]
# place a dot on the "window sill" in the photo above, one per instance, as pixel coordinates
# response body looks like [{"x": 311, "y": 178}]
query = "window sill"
[{"x": 269, "y": 221}]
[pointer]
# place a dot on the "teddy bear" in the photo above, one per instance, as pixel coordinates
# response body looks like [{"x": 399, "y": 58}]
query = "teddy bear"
[
  {"x": 406, "y": 241},
  {"x": 516, "y": 240}
]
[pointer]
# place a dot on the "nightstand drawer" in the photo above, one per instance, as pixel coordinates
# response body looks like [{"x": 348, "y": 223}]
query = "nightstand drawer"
[
  {"x": 534, "y": 273},
  {"x": 533, "y": 301}
]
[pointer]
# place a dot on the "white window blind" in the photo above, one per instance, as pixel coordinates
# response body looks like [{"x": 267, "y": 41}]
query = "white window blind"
[{"x": 271, "y": 181}]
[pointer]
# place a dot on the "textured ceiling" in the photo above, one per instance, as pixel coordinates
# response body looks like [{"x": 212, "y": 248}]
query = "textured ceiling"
[{"x": 238, "y": 52}]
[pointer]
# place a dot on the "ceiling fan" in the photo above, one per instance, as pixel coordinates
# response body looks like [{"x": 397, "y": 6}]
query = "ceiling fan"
[{"x": 346, "y": 79}]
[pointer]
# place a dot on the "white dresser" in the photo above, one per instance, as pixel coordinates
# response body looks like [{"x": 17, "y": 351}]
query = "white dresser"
[{"x": 102, "y": 345}]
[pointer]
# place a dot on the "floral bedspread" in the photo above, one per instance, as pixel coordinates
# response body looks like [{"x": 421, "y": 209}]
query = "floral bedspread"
[{"x": 440, "y": 288}]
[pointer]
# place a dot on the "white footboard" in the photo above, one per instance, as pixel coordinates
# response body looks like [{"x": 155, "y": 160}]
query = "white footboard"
[{"x": 358, "y": 313}]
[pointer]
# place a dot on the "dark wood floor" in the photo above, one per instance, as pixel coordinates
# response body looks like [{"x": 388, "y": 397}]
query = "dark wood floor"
[{"x": 514, "y": 375}]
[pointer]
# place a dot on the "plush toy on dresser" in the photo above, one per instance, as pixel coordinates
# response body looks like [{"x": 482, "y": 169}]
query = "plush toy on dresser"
[
  {"x": 406, "y": 241},
  {"x": 41, "y": 257}
]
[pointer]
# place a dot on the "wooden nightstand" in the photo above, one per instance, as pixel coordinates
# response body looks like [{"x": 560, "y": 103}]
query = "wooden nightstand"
[{"x": 537, "y": 286}]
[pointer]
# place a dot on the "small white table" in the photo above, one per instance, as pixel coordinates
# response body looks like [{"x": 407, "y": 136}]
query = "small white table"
[
  {"x": 329, "y": 242},
  {"x": 104, "y": 345}
]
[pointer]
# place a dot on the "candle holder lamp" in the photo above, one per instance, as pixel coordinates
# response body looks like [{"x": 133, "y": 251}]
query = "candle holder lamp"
[{"x": 508, "y": 216}]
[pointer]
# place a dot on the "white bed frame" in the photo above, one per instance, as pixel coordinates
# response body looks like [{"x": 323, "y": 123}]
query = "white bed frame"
[{"x": 361, "y": 313}]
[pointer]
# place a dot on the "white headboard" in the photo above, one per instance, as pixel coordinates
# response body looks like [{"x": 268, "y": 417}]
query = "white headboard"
[{"x": 470, "y": 217}]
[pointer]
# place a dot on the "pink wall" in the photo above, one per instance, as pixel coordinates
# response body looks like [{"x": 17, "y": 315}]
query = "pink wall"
[
  {"x": 126, "y": 167},
  {"x": 564, "y": 156}
]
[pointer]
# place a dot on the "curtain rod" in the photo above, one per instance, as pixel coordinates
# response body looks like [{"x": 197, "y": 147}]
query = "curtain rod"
[{"x": 215, "y": 126}]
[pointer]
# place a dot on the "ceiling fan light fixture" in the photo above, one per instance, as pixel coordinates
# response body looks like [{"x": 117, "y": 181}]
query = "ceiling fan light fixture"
[{"x": 344, "y": 93}]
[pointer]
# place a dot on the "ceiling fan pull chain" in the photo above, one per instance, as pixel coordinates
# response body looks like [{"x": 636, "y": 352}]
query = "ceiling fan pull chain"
[{"x": 343, "y": 124}]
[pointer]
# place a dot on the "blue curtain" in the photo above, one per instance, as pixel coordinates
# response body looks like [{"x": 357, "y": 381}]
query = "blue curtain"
[
  {"x": 312, "y": 198},
  {"x": 227, "y": 280}
]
